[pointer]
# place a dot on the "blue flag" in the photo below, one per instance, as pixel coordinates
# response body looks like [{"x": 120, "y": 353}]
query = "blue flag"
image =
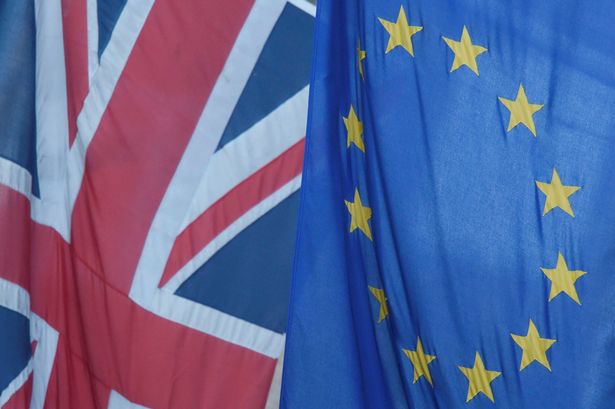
[{"x": 456, "y": 243}]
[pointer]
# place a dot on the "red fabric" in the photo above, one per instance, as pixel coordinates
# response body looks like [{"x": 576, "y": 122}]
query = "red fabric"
[{"x": 75, "y": 27}]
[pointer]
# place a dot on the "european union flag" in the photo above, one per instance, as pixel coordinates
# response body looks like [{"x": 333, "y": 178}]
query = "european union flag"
[{"x": 456, "y": 242}]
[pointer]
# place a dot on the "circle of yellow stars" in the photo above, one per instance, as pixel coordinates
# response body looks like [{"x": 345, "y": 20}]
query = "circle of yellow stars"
[{"x": 557, "y": 195}]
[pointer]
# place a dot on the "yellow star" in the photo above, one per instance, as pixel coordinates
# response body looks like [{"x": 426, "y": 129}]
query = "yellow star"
[
  {"x": 354, "y": 129},
  {"x": 400, "y": 33},
  {"x": 420, "y": 360},
  {"x": 360, "y": 56},
  {"x": 359, "y": 215},
  {"x": 534, "y": 348},
  {"x": 378, "y": 293},
  {"x": 479, "y": 379},
  {"x": 557, "y": 194},
  {"x": 465, "y": 51},
  {"x": 521, "y": 111},
  {"x": 562, "y": 279}
]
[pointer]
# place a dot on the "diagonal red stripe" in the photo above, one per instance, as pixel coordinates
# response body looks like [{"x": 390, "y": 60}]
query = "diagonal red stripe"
[
  {"x": 146, "y": 127},
  {"x": 233, "y": 205},
  {"x": 74, "y": 25}
]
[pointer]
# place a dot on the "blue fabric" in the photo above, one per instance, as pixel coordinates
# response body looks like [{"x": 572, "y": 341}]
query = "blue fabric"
[
  {"x": 249, "y": 278},
  {"x": 17, "y": 77},
  {"x": 15, "y": 348},
  {"x": 459, "y": 235},
  {"x": 109, "y": 12},
  {"x": 282, "y": 70}
]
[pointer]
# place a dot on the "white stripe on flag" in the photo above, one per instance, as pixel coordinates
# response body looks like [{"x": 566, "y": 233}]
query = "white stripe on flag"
[
  {"x": 172, "y": 210},
  {"x": 17, "y": 299},
  {"x": 117, "y": 401}
]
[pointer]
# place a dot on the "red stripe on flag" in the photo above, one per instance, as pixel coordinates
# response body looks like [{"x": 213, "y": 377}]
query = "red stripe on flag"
[
  {"x": 149, "y": 360},
  {"x": 233, "y": 205},
  {"x": 108, "y": 342},
  {"x": 37, "y": 259},
  {"x": 75, "y": 27},
  {"x": 152, "y": 114},
  {"x": 23, "y": 242}
]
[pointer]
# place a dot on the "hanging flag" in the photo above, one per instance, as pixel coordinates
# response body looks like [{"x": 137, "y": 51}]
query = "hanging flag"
[
  {"x": 150, "y": 158},
  {"x": 456, "y": 243}
]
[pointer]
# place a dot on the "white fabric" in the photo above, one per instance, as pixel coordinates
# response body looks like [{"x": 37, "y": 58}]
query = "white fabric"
[{"x": 117, "y": 401}]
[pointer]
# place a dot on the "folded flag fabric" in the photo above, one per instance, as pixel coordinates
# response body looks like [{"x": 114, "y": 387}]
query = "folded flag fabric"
[{"x": 456, "y": 239}]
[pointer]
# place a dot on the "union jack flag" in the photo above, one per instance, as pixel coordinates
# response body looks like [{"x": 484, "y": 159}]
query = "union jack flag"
[{"x": 150, "y": 155}]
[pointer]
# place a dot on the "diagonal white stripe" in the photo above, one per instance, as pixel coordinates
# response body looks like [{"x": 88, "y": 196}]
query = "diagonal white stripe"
[
  {"x": 43, "y": 359},
  {"x": 230, "y": 232},
  {"x": 92, "y": 18},
  {"x": 249, "y": 152},
  {"x": 304, "y": 5},
  {"x": 117, "y": 401},
  {"x": 168, "y": 220},
  {"x": 51, "y": 118},
  {"x": 17, "y": 299}
]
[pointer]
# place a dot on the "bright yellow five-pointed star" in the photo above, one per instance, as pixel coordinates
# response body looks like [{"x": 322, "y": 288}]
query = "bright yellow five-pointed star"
[
  {"x": 562, "y": 279},
  {"x": 400, "y": 33},
  {"x": 479, "y": 379},
  {"x": 521, "y": 111},
  {"x": 354, "y": 129},
  {"x": 465, "y": 51},
  {"x": 557, "y": 194},
  {"x": 420, "y": 360},
  {"x": 360, "y": 56},
  {"x": 359, "y": 215},
  {"x": 378, "y": 294},
  {"x": 534, "y": 348}
]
